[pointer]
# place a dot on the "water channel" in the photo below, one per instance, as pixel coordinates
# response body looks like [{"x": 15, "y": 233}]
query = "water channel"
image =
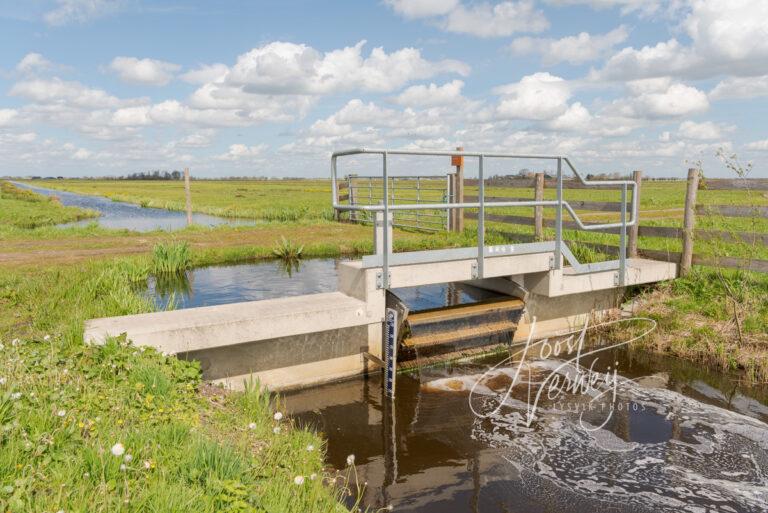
[{"x": 120, "y": 215}]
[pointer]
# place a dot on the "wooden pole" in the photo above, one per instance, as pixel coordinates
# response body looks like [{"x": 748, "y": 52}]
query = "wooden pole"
[
  {"x": 637, "y": 177},
  {"x": 538, "y": 212},
  {"x": 459, "y": 227},
  {"x": 689, "y": 221},
  {"x": 188, "y": 194}
]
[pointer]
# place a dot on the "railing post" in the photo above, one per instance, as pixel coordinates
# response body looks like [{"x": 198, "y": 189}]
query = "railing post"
[
  {"x": 538, "y": 212},
  {"x": 689, "y": 221},
  {"x": 386, "y": 237},
  {"x": 559, "y": 216},
  {"x": 634, "y": 230},
  {"x": 623, "y": 238},
  {"x": 481, "y": 221},
  {"x": 449, "y": 218}
]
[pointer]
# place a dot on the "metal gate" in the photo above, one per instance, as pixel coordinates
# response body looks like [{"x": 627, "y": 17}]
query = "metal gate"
[{"x": 402, "y": 190}]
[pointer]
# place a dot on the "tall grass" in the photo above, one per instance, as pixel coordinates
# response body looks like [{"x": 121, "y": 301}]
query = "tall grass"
[
  {"x": 172, "y": 257},
  {"x": 64, "y": 405}
]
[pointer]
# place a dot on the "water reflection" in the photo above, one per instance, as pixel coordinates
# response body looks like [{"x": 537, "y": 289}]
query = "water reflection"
[
  {"x": 218, "y": 285},
  {"x": 120, "y": 215},
  {"x": 679, "y": 442}
]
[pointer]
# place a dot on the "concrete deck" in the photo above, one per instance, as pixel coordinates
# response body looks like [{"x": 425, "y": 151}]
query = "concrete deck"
[
  {"x": 306, "y": 340},
  {"x": 195, "y": 329}
]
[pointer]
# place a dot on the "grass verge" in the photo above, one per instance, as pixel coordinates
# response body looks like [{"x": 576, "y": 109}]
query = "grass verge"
[
  {"x": 120, "y": 428},
  {"x": 715, "y": 317}
]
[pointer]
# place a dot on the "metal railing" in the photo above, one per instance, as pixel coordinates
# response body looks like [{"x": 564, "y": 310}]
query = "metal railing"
[
  {"x": 559, "y": 204},
  {"x": 369, "y": 190}
]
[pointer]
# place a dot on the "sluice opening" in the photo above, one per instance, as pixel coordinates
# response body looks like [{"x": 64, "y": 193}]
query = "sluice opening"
[{"x": 452, "y": 320}]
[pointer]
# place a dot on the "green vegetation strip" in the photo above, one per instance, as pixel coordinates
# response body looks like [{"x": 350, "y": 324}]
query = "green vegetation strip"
[{"x": 120, "y": 428}]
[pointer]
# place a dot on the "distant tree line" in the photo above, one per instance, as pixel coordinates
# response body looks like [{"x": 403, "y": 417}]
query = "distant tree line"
[{"x": 156, "y": 174}]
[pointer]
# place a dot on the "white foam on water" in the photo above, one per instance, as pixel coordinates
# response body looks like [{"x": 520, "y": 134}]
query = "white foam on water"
[{"x": 710, "y": 459}]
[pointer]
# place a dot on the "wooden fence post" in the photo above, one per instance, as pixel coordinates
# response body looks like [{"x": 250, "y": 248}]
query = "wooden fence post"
[
  {"x": 538, "y": 212},
  {"x": 637, "y": 177},
  {"x": 188, "y": 194},
  {"x": 689, "y": 221}
]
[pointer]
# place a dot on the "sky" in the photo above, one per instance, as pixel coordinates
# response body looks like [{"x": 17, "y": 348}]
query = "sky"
[{"x": 271, "y": 88}]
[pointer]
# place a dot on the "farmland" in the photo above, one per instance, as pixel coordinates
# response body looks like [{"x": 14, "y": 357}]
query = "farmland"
[{"x": 52, "y": 279}]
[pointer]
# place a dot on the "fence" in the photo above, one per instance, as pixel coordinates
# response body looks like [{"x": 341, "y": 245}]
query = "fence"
[
  {"x": 687, "y": 233},
  {"x": 401, "y": 190}
]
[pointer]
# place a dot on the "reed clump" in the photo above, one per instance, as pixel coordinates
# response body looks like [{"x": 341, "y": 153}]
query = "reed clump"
[
  {"x": 172, "y": 257},
  {"x": 288, "y": 250}
]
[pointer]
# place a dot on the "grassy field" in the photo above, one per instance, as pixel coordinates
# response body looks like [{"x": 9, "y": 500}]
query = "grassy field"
[
  {"x": 193, "y": 447},
  {"x": 661, "y": 204},
  {"x": 22, "y": 209}
]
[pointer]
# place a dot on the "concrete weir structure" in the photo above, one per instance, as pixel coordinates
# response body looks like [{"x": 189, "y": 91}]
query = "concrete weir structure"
[{"x": 296, "y": 342}]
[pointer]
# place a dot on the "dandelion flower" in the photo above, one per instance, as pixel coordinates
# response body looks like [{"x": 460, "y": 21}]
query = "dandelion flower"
[
  {"x": 118, "y": 449},
  {"x": 298, "y": 480},
  {"x": 252, "y": 425},
  {"x": 350, "y": 460},
  {"x": 128, "y": 458},
  {"x": 16, "y": 396},
  {"x": 278, "y": 416},
  {"x": 276, "y": 430},
  {"x": 61, "y": 413},
  {"x": 310, "y": 448}
]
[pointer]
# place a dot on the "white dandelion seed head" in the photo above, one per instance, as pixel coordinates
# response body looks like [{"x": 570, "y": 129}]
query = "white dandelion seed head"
[
  {"x": 310, "y": 448},
  {"x": 298, "y": 480},
  {"x": 47, "y": 338},
  {"x": 65, "y": 371},
  {"x": 127, "y": 458},
  {"x": 147, "y": 464},
  {"x": 2, "y": 381},
  {"x": 122, "y": 467},
  {"x": 312, "y": 476},
  {"x": 252, "y": 425},
  {"x": 61, "y": 413},
  {"x": 1, "y": 346},
  {"x": 118, "y": 449},
  {"x": 351, "y": 459},
  {"x": 16, "y": 396},
  {"x": 278, "y": 416},
  {"x": 15, "y": 342},
  {"x": 276, "y": 429}
]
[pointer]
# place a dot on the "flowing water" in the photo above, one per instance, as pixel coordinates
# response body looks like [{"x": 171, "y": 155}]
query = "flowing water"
[
  {"x": 121, "y": 215},
  {"x": 674, "y": 438},
  {"x": 663, "y": 435}
]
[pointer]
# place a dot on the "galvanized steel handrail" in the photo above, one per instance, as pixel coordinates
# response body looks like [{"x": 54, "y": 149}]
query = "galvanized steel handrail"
[{"x": 559, "y": 204}]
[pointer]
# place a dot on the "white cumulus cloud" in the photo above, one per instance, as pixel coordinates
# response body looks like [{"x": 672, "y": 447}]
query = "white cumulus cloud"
[
  {"x": 289, "y": 68},
  {"x": 540, "y": 96},
  {"x": 80, "y": 11},
  {"x": 431, "y": 95},
  {"x": 578, "y": 49},
  {"x": 422, "y": 8},
  {"x": 144, "y": 71},
  {"x": 705, "y": 131}
]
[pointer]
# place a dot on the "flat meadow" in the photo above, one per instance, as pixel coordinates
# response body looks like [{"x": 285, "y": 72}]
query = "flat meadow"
[{"x": 114, "y": 432}]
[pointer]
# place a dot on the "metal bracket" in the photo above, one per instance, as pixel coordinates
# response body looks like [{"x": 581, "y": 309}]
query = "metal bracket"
[
  {"x": 616, "y": 279},
  {"x": 551, "y": 262},
  {"x": 474, "y": 271},
  {"x": 380, "y": 279}
]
